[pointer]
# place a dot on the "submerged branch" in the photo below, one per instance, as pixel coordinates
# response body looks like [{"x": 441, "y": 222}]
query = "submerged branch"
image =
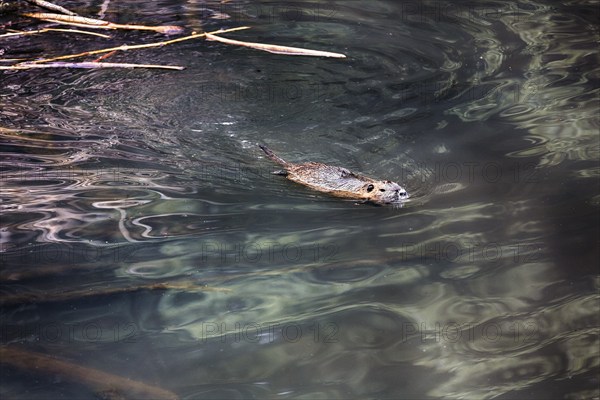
[
  {"x": 43, "y": 297},
  {"x": 103, "y": 383}
]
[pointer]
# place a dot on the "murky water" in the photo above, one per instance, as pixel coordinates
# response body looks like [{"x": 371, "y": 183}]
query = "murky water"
[{"x": 144, "y": 236}]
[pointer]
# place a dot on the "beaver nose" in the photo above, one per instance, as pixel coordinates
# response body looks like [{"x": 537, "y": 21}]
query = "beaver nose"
[{"x": 403, "y": 194}]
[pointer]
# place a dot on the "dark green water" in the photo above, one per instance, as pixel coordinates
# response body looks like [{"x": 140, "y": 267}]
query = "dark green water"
[{"x": 484, "y": 285}]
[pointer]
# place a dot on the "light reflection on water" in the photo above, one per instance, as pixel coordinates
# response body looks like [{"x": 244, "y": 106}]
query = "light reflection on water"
[{"x": 483, "y": 285}]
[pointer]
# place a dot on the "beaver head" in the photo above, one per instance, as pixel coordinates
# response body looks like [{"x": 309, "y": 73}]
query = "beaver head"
[{"x": 384, "y": 192}]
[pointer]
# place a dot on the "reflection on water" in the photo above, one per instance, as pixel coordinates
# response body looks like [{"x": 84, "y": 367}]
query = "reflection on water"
[
  {"x": 143, "y": 234},
  {"x": 554, "y": 98}
]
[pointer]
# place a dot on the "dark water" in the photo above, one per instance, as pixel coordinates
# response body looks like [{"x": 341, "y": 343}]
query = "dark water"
[{"x": 485, "y": 285}]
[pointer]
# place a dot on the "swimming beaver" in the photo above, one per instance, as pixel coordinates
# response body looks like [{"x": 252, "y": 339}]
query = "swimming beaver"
[{"x": 339, "y": 181}]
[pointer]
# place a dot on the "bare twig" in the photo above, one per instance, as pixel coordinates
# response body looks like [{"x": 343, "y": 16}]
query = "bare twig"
[
  {"x": 138, "y": 46},
  {"x": 88, "y": 65},
  {"x": 50, "y": 6},
  {"x": 54, "y": 30},
  {"x": 101, "y": 24},
  {"x": 105, "y": 56},
  {"x": 271, "y": 48},
  {"x": 97, "y": 380}
]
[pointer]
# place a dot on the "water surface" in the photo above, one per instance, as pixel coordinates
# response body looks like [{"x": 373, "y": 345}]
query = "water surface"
[{"x": 484, "y": 285}]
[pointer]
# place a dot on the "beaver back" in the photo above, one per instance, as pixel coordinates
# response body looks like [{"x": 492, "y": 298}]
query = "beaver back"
[{"x": 327, "y": 178}]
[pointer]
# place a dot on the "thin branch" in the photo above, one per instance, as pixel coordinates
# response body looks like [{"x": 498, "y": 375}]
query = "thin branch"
[
  {"x": 54, "y": 30},
  {"x": 138, "y": 46},
  {"x": 102, "y": 35},
  {"x": 50, "y": 6},
  {"x": 276, "y": 49},
  {"x": 105, "y": 56},
  {"x": 88, "y": 65},
  {"x": 101, "y": 24}
]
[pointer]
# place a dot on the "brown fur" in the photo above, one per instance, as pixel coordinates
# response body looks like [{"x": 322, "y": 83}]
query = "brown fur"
[{"x": 340, "y": 182}]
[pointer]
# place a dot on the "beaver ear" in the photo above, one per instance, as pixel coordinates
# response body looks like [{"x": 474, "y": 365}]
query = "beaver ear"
[{"x": 370, "y": 188}]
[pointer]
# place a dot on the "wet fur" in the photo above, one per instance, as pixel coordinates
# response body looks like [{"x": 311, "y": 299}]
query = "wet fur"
[{"x": 339, "y": 181}]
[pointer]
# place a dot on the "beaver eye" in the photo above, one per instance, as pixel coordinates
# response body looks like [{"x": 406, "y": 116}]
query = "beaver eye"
[
  {"x": 382, "y": 190},
  {"x": 370, "y": 188}
]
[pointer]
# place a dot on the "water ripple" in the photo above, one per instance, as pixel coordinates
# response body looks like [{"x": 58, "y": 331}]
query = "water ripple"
[{"x": 131, "y": 179}]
